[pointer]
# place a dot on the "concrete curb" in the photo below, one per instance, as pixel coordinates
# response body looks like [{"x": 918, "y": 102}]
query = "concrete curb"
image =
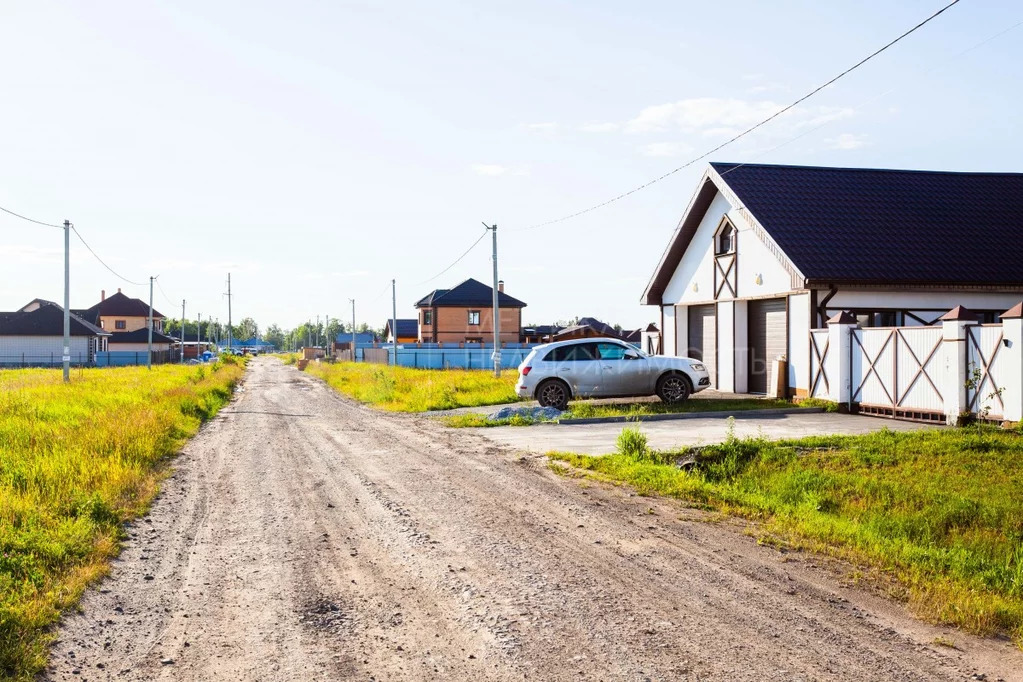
[{"x": 738, "y": 414}]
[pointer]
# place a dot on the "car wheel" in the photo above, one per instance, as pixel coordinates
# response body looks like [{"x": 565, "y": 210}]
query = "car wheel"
[
  {"x": 552, "y": 393},
  {"x": 674, "y": 388}
]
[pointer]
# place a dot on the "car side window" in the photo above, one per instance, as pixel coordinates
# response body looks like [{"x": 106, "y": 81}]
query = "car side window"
[
  {"x": 575, "y": 353},
  {"x": 610, "y": 351}
]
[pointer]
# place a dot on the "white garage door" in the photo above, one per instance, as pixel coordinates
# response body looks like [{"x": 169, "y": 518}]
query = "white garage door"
[
  {"x": 703, "y": 341},
  {"x": 768, "y": 331}
]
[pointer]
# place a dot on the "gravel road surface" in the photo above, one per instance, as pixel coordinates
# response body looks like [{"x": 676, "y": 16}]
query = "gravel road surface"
[{"x": 303, "y": 537}]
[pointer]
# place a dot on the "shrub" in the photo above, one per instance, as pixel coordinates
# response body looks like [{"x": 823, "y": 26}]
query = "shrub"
[{"x": 632, "y": 442}]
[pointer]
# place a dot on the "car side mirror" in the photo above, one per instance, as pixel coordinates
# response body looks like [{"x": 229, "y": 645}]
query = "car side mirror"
[{"x": 631, "y": 355}]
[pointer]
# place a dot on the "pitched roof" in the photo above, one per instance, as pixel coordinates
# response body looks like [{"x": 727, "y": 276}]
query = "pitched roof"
[
  {"x": 140, "y": 336},
  {"x": 873, "y": 226},
  {"x": 469, "y": 293},
  {"x": 406, "y": 327},
  {"x": 120, "y": 305},
  {"x": 47, "y": 320}
]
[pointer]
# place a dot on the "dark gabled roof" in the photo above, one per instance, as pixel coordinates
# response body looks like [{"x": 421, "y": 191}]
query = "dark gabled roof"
[
  {"x": 360, "y": 337},
  {"x": 119, "y": 305},
  {"x": 863, "y": 226},
  {"x": 542, "y": 329},
  {"x": 47, "y": 320},
  {"x": 469, "y": 293},
  {"x": 406, "y": 327},
  {"x": 140, "y": 336}
]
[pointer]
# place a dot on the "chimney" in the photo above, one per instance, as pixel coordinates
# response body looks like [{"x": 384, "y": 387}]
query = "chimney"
[
  {"x": 118, "y": 289},
  {"x": 102, "y": 295},
  {"x": 500, "y": 285}
]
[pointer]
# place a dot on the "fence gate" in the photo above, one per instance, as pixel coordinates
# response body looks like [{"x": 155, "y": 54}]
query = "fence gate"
[
  {"x": 820, "y": 345},
  {"x": 983, "y": 366},
  {"x": 895, "y": 372}
]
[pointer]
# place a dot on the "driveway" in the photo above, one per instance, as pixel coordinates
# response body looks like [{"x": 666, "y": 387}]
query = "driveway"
[{"x": 599, "y": 439}]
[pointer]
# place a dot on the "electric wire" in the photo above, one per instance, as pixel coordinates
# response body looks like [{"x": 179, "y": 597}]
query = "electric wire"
[
  {"x": 749, "y": 130},
  {"x": 31, "y": 220},
  {"x": 457, "y": 260},
  {"x": 101, "y": 261}
]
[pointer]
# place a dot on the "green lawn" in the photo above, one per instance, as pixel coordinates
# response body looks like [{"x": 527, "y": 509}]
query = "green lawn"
[
  {"x": 404, "y": 389},
  {"x": 941, "y": 511}
]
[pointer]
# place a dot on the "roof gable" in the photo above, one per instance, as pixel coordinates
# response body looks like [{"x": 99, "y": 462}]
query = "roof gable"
[
  {"x": 120, "y": 305},
  {"x": 868, "y": 226},
  {"x": 46, "y": 320},
  {"x": 469, "y": 293}
]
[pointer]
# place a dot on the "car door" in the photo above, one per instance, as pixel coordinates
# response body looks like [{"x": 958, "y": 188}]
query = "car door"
[
  {"x": 624, "y": 371},
  {"x": 579, "y": 366}
]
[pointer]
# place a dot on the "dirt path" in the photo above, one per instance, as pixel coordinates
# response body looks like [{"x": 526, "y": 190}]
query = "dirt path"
[{"x": 306, "y": 538}]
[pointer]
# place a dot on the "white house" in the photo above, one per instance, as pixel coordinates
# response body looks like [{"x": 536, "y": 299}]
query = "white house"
[
  {"x": 34, "y": 336},
  {"x": 765, "y": 253}
]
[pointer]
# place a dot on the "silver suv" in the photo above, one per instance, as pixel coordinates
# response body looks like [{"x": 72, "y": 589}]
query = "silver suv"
[{"x": 605, "y": 368}]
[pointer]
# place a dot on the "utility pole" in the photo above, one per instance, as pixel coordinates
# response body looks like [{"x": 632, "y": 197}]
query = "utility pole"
[
  {"x": 182, "y": 359},
  {"x": 229, "y": 330},
  {"x": 317, "y": 330},
  {"x": 353, "y": 328},
  {"x": 497, "y": 308},
  {"x": 198, "y": 334},
  {"x": 149, "y": 325},
  {"x": 309, "y": 333},
  {"x": 326, "y": 334},
  {"x": 66, "y": 357},
  {"x": 394, "y": 323}
]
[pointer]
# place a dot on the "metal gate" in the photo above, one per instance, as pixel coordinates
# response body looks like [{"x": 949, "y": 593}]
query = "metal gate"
[
  {"x": 768, "y": 333},
  {"x": 820, "y": 346}
]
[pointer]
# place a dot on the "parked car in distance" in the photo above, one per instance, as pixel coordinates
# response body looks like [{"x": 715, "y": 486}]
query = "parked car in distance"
[{"x": 558, "y": 372}]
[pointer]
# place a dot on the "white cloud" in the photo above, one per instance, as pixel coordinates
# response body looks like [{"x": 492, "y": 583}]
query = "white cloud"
[
  {"x": 599, "y": 127},
  {"x": 712, "y": 115},
  {"x": 546, "y": 128},
  {"x": 846, "y": 141},
  {"x": 489, "y": 169},
  {"x": 665, "y": 149}
]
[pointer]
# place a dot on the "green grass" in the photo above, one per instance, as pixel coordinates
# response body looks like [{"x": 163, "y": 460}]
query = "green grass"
[
  {"x": 404, "y": 389},
  {"x": 940, "y": 511},
  {"x": 76, "y": 461},
  {"x": 586, "y": 409}
]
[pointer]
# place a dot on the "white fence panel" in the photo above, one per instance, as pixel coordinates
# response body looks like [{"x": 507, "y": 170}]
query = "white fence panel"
[
  {"x": 985, "y": 370},
  {"x": 919, "y": 358},
  {"x": 820, "y": 347}
]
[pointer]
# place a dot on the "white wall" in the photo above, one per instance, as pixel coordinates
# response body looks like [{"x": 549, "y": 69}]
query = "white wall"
[
  {"x": 136, "y": 347},
  {"x": 799, "y": 341},
  {"x": 742, "y": 346},
  {"x": 681, "y": 331},
  {"x": 668, "y": 332},
  {"x": 921, "y": 300},
  {"x": 697, "y": 264},
  {"x": 12, "y": 347}
]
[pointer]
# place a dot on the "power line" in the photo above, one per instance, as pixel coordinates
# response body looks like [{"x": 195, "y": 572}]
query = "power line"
[
  {"x": 457, "y": 260},
  {"x": 31, "y": 220},
  {"x": 749, "y": 130},
  {"x": 96, "y": 256},
  {"x": 160, "y": 287}
]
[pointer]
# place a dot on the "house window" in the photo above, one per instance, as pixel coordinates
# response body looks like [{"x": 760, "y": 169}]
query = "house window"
[
  {"x": 120, "y": 324},
  {"x": 427, "y": 317},
  {"x": 474, "y": 317},
  {"x": 725, "y": 240}
]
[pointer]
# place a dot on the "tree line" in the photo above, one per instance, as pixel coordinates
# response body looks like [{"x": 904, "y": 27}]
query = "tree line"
[{"x": 305, "y": 334}]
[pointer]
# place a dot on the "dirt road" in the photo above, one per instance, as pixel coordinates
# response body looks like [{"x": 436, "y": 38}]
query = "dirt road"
[{"x": 306, "y": 538}]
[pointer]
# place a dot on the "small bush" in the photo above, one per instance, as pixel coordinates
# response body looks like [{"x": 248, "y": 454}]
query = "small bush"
[{"x": 632, "y": 442}]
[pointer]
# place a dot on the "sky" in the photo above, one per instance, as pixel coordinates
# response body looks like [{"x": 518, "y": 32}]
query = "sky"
[{"x": 317, "y": 149}]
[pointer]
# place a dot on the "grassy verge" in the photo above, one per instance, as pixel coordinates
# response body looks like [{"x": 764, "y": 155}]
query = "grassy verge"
[
  {"x": 76, "y": 461},
  {"x": 941, "y": 511},
  {"x": 585, "y": 409},
  {"x": 404, "y": 389}
]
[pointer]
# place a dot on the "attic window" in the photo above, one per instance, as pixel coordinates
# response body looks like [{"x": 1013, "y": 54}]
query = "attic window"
[
  {"x": 427, "y": 317},
  {"x": 120, "y": 324},
  {"x": 725, "y": 242}
]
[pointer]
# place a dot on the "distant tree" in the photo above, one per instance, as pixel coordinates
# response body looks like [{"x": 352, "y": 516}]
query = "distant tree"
[
  {"x": 274, "y": 335},
  {"x": 246, "y": 329}
]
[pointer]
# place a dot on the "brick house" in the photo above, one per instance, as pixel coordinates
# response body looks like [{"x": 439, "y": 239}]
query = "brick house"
[
  {"x": 465, "y": 314},
  {"x": 120, "y": 314}
]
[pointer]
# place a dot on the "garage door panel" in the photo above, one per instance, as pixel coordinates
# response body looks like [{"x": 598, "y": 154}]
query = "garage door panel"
[
  {"x": 768, "y": 331},
  {"x": 703, "y": 337}
]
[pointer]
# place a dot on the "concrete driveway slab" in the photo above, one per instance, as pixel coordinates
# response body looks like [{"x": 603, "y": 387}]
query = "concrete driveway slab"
[{"x": 599, "y": 439}]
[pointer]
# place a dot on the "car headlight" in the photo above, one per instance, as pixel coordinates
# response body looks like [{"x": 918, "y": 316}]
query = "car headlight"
[{"x": 698, "y": 367}]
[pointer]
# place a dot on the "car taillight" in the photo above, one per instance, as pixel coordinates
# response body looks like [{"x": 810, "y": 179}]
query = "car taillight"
[{"x": 525, "y": 370}]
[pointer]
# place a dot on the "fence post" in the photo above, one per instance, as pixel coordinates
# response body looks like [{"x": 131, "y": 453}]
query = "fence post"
[
  {"x": 1012, "y": 330},
  {"x": 953, "y": 379},
  {"x": 838, "y": 364}
]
